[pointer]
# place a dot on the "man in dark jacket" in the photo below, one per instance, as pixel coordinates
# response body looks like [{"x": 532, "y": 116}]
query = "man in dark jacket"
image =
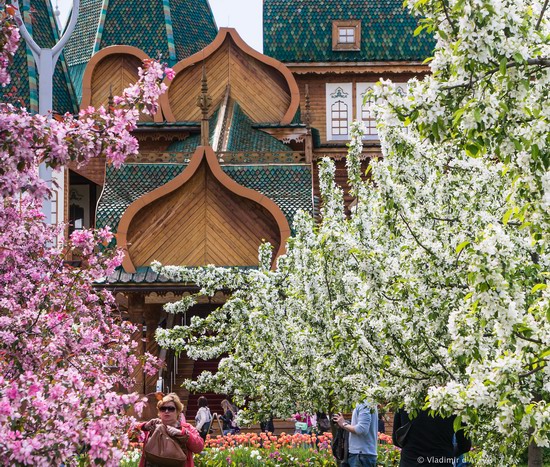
[{"x": 428, "y": 440}]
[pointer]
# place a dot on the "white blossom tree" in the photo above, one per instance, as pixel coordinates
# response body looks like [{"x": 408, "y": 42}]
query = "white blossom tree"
[{"x": 433, "y": 293}]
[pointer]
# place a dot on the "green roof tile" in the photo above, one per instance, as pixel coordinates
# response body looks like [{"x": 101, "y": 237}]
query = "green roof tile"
[
  {"x": 289, "y": 186},
  {"x": 243, "y": 137},
  {"x": 23, "y": 90},
  {"x": 144, "y": 276},
  {"x": 190, "y": 144},
  {"x": 301, "y": 31},
  {"x": 123, "y": 186},
  {"x": 171, "y": 29}
]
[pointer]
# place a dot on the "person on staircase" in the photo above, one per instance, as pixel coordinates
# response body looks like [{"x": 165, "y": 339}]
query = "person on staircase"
[
  {"x": 229, "y": 418},
  {"x": 203, "y": 419}
]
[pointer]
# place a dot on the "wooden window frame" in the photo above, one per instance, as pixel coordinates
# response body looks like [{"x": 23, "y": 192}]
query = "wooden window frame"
[
  {"x": 339, "y": 125},
  {"x": 346, "y": 46}
]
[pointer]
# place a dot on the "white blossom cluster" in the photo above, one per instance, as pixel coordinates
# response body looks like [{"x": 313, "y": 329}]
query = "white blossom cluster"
[{"x": 433, "y": 292}]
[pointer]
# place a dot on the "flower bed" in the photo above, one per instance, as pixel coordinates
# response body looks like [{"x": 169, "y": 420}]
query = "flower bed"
[{"x": 252, "y": 449}]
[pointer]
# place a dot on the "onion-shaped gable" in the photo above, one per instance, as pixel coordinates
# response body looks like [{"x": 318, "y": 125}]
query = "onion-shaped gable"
[
  {"x": 200, "y": 217},
  {"x": 109, "y": 72},
  {"x": 264, "y": 87}
]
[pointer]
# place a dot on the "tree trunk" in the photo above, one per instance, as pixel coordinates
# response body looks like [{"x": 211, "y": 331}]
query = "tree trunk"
[{"x": 534, "y": 455}]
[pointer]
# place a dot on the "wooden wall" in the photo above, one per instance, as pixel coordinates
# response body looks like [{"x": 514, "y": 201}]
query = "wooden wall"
[
  {"x": 200, "y": 223},
  {"x": 261, "y": 90},
  {"x": 112, "y": 75},
  {"x": 94, "y": 170},
  {"x": 317, "y": 93}
]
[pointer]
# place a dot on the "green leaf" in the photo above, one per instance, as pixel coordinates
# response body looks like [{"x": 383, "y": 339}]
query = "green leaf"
[
  {"x": 518, "y": 57},
  {"x": 503, "y": 67},
  {"x": 457, "y": 424},
  {"x": 507, "y": 216},
  {"x": 477, "y": 115},
  {"x": 418, "y": 30},
  {"x": 458, "y": 115},
  {"x": 538, "y": 287},
  {"x": 472, "y": 150},
  {"x": 535, "y": 151},
  {"x": 461, "y": 246}
]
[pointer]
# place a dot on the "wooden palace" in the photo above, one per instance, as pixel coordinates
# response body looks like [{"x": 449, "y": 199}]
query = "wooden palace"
[{"x": 232, "y": 153}]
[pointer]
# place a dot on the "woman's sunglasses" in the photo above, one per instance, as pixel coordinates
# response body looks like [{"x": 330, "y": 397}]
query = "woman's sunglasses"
[{"x": 167, "y": 409}]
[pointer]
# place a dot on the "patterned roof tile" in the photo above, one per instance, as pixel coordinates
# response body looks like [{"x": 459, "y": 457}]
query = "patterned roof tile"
[
  {"x": 301, "y": 31},
  {"x": 243, "y": 137},
  {"x": 289, "y": 186},
  {"x": 23, "y": 90},
  {"x": 144, "y": 275},
  {"x": 169, "y": 29}
]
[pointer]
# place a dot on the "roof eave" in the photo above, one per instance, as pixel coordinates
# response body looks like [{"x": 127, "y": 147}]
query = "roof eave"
[{"x": 358, "y": 67}]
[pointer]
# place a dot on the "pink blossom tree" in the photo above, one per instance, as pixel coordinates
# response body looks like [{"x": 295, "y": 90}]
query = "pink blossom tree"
[{"x": 66, "y": 355}]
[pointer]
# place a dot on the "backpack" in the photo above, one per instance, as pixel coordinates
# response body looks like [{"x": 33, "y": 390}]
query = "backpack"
[
  {"x": 206, "y": 428},
  {"x": 340, "y": 445}
]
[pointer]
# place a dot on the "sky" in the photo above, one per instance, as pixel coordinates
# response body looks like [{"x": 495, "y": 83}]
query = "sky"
[{"x": 243, "y": 15}]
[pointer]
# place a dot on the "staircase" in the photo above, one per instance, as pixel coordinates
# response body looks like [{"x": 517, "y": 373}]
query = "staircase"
[{"x": 214, "y": 400}]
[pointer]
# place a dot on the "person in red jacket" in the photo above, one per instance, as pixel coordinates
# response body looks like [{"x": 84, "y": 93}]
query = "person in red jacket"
[{"x": 170, "y": 411}]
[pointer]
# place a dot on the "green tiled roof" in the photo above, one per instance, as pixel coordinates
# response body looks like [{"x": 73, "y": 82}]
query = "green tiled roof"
[
  {"x": 143, "y": 276},
  {"x": 190, "y": 144},
  {"x": 170, "y": 29},
  {"x": 243, "y": 137},
  {"x": 301, "y": 31},
  {"x": 123, "y": 186},
  {"x": 23, "y": 90},
  {"x": 289, "y": 186}
]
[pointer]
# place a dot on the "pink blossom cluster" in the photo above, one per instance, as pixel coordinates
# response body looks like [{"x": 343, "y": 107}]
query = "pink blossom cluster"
[
  {"x": 9, "y": 40},
  {"x": 67, "y": 355}
]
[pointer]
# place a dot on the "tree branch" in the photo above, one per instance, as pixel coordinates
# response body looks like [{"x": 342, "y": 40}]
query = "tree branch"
[
  {"x": 415, "y": 237},
  {"x": 423, "y": 337},
  {"x": 543, "y": 62},
  {"x": 537, "y": 27}
]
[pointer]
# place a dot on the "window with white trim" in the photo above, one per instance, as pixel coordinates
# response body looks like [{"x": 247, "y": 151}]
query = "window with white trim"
[
  {"x": 364, "y": 106},
  {"x": 365, "y": 112},
  {"x": 339, "y": 105}
]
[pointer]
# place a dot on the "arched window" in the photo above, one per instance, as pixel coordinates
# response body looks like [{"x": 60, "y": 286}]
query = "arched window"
[
  {"x": 339, "y": 118},
  {"x": 367, "y": 114}
]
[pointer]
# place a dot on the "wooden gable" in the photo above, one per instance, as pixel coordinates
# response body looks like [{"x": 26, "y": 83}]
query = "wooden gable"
[
  {"x": 109, "y": 72},
  {"x": 265, "y": 88},
  {"x": 200, "y": 217}
]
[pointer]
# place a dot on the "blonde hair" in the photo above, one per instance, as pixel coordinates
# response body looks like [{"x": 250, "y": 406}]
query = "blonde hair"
[
  {"x": 226, "y": 405},
  {"x": 172, "y": 397}
]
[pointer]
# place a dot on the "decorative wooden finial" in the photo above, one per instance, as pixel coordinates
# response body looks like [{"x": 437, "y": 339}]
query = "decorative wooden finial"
[
  {"x": 307, "y": 116},
  {"x": 309, "y": 137},
  {"x": 204, "y": 102}
]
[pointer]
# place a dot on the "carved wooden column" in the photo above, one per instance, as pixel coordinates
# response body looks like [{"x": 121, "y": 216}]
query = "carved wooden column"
[
  {"x": 136, "y": 310},
  {"x": 309, "y": 136},
  {"x": 152, "y": 318}
]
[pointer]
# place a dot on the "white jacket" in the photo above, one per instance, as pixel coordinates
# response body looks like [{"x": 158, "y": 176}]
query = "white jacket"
[{"x": 203, "y": 416}]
